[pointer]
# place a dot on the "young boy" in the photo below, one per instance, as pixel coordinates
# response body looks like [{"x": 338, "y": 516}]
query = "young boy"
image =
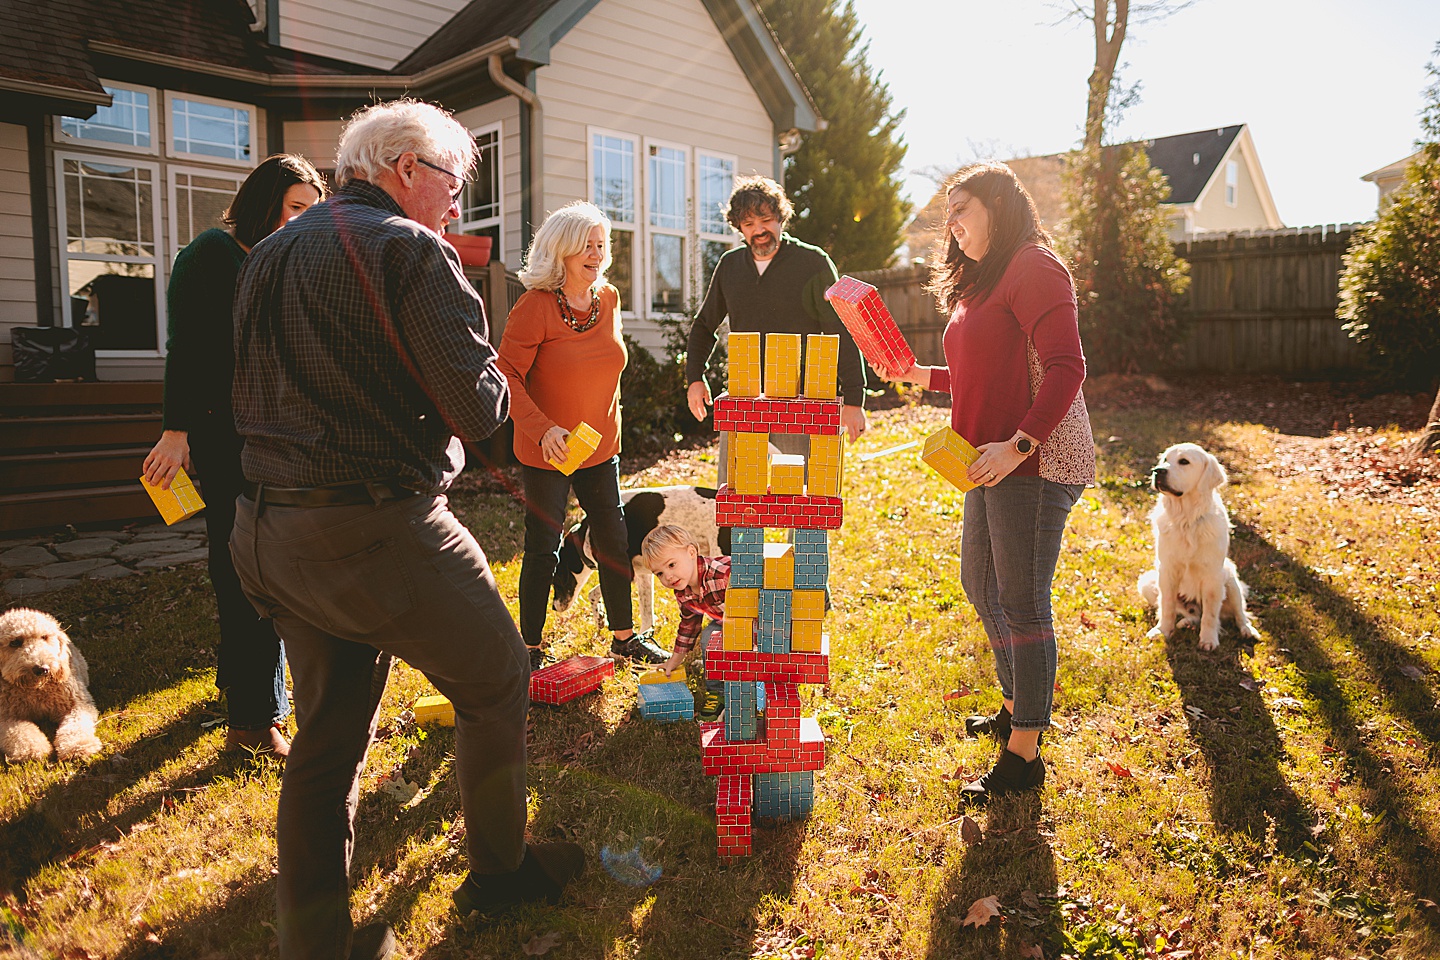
[{"x": 699, "y": 583}]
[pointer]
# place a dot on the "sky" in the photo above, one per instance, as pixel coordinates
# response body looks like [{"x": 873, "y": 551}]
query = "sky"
[{"x": 1330, "y": 90}]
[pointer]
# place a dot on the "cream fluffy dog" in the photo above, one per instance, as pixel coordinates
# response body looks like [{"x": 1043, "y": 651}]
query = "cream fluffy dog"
[
  {"x": 1193, "y": 575},
  {"x": 43, "y": 679}
]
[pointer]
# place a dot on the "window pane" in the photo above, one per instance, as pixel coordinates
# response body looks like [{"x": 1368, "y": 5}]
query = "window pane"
[
  {"x": 109, "y": 209},
  {"x": 717, "y": 179},
  {"x": 210, "y": 130},
  {"x": 667, "y": 274},
  {"x": 622, "y": 266},
  {"x": 126, "y": 120},
  {"x": 199, "y": 203},
  {"x": 667, "y": 187},
  {"x": 614, "y": 188},
  {"x": 710, "y": 253},
  {"x": 116, "y": 298},
  {"x": 481, "y": 199}
]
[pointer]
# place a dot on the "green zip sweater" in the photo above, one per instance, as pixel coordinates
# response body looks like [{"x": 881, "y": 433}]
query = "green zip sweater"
[
  {"x": 789, "y": 297},
  {"x": 200, "y": 352}
]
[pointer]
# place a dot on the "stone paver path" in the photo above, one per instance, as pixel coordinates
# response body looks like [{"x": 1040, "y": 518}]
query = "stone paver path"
[{"x": 39, "y": 564}]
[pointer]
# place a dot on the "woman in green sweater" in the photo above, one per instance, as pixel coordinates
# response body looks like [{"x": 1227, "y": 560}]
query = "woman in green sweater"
[{"x": 199, "y": 432}]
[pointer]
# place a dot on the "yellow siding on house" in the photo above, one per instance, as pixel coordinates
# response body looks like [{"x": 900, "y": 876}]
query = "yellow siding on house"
[
  {"x": 648, "y": 68},
  {"x": 376, "y": 33},
  {"x": 17, "y": 254},
  {"x": 1214, "y": 214}
]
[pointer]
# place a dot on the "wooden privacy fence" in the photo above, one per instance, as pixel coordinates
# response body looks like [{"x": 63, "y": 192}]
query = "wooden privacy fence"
[{"x": 1259, "y": 302}]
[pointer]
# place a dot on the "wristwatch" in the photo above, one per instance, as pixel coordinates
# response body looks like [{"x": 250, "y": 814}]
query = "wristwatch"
[{"x": 1023, "y": 445}]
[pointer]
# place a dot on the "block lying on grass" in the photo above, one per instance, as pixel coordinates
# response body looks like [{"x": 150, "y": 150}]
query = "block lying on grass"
[{"x": 564, "y": 681}]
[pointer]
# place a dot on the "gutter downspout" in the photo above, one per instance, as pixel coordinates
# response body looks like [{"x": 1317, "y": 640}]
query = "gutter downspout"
[{"x": 532, "y": 190}]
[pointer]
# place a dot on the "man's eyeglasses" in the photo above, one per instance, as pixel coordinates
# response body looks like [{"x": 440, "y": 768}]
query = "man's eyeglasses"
[{"x": 454, "y": 194}]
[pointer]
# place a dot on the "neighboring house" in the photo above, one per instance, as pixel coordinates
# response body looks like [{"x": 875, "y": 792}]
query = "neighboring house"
[
  {"x": 1389, "y": 178},
  {"x": 1216, "y": 186},
  {"x": 126, "y": 126}
]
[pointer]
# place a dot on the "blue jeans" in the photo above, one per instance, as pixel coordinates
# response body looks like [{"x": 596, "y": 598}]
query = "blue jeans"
[
  {"x": 1008, "y": 550},
  {"x": 546, "y": 494}
]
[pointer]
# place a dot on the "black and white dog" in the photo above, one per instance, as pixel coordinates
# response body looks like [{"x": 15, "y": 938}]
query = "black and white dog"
[{"x": 646, "y": 508}]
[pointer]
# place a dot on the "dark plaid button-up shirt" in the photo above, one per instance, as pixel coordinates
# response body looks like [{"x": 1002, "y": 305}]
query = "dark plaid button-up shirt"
[
  {"x": 360, "y": 350},
  {"x": 708, "y": 601}
]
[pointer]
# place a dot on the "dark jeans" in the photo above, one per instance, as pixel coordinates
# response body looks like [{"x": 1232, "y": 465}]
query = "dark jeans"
[
  {"x": 350, "y": 586},
  {"x": 547, "y": 493},
  {"x": 251, "y": 660},
  {"x": 1008, "y": 550}
]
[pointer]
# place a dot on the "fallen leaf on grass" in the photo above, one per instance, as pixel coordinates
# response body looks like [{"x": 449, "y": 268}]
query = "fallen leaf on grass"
[
  {"x": 981, "y": 911},
  {"x": 970, "y": 832},
  {"x": 1413, "y": 672},
  {"x": 398, "y": 788},
  {"x": 1119, "y": 770},
  {"x": 1030, "y": 899},
  {"x": 1034, "y": 950},
  {"x": 963, "y": 691},
  {"x": 538, "y": 946}
]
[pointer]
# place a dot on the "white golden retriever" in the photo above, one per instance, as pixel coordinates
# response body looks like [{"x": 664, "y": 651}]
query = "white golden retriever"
[{"x": 1193, "y": 576}]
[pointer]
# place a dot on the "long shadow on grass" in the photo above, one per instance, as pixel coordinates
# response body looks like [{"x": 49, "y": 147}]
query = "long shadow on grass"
[
  {"x": 1014, "y": 864},
  {"x": 1276, "y": 574}
]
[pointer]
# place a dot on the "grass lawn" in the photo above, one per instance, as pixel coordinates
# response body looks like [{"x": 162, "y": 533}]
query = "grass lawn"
[{"x": 1275, "y": 801}]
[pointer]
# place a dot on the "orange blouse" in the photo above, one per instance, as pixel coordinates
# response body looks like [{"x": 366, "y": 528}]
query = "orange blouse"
[{"x": 559, "y": 377}]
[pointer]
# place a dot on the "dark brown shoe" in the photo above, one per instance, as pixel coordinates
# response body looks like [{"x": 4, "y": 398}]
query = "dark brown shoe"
[
  {"x": 1011, "y": 774},
  {"x": 269, "y": 740},
  {"x": 374, "y": 941},
  {"x": 544, "y": 874}
]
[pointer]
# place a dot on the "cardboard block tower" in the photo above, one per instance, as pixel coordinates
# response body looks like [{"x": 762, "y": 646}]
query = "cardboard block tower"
[{"x": 775, "y": 605}]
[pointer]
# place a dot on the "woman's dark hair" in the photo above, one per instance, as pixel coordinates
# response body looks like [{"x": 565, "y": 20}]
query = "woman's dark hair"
[
  {"x": 758, "y": 196},
  {"x": 1013, "y": 223},
  {"x": 256, "y": 209}
]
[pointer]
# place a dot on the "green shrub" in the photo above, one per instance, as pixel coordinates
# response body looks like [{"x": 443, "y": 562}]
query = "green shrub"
[{"x": 653, "y": 392}]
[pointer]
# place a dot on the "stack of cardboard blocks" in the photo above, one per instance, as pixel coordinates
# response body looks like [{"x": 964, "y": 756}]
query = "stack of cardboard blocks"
[{"x": 764, "y": 752}]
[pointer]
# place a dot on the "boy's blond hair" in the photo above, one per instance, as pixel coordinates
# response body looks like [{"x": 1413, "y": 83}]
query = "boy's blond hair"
[{"x": 662, "y": 538}]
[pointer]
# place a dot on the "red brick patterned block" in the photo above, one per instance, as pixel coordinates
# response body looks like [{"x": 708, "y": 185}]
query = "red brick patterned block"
[
  {"x": 771, "y": 667},
  {"x": 778, "y": 511},
  {"x": 870, "y": 323},
  {"x": 564, "y": 681},
  {"x": 734, "y": 799},
  {"x": 777, "y": 415},
  {"x": 720, "y": 757}
]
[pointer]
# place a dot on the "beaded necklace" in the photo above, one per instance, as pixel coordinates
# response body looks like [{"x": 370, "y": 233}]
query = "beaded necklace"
[{"x": 579, "y": 325}]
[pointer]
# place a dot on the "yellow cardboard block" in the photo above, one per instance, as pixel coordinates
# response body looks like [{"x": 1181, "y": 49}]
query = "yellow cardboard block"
[
  {"x": 822, "y": 359},
  {"x": 827, "y": 456},
  {"x": 950, "y": 455},
  {"x": 738, "y": 633},
  {"x": 751, "y": 473},
  {"x": 787, "y": 474},
  {"x": 435, "y": 709},
  {"x": 782, "y": 364},
  {"x": 658, "y": 676},
  {"x": 807, "y": 605},
  {"x": 742, "y": 602},
  {"x": 582, "y": 442},
  {"x": 744, "y": 363},
  {"x": 180, "y": 501},
  {"x": 806, "y": 636},
  {"x": 779, "y": 566}
]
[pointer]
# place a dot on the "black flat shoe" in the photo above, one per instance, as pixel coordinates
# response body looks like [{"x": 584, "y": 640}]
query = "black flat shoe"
[
  {"x": 543, "y": 875},
  {"x": 1011, "y": 774},
  {"x": 997, "y": 726},
  {"x": 374, "y": 941}
]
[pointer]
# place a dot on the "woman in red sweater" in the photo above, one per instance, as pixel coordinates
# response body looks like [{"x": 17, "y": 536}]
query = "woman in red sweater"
[
  {"x": 1013, "y": 368},
  {"x": 563, "y": 352}
]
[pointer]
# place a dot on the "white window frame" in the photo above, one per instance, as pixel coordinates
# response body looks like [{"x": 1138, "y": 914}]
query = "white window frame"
[
  {"x": 158, "y": 260},
  {"x": 172, "y": 195},
  {"x": 1232, "y": 183},
  {"x": 497, "y": 221},
  {"x": 650, "y": 230},
  {"x": 638, "y": 286},
  {"x": 256, "y": 146},
  {"x": 64, "y": 139},
  {"x": 730, "y": 237}
]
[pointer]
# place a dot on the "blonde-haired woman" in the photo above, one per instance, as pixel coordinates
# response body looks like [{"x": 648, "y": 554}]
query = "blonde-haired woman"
[{"x": 563, "y": 352}]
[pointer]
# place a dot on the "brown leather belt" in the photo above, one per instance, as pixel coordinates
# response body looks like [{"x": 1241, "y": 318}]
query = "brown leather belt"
[{"x": 336, "y": 495}]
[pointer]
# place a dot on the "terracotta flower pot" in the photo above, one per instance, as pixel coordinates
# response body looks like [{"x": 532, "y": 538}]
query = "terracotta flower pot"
[{"x": 474, "y": 251}]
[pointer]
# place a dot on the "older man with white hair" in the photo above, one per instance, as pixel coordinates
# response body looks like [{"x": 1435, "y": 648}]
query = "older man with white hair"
[{"x": 361, "y": 365}]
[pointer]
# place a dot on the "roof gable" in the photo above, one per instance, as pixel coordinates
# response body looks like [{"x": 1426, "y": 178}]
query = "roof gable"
[{"x": 1189, "y": 160}]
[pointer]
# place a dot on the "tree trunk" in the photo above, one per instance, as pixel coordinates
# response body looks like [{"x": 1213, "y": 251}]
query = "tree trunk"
[
  {"x": 1429, "y": 440},
  {"x": 1108, "y": 38}
]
